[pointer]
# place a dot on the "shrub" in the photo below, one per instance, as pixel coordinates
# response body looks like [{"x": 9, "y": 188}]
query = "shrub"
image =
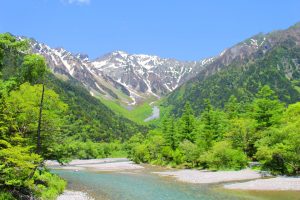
[
  {"x": 48, "y": 186},
  {"x": 190, "y": 153},
  {"x": 223, "y": 156},
  {"x": 6, "y": 196}
]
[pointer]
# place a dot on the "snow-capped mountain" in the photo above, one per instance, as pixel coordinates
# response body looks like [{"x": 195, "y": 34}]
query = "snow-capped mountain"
[
  {"x": 146, "y": 74},
  {"x": 119, "y": 75}
]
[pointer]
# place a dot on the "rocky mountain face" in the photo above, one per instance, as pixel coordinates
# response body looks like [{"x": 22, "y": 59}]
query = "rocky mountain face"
[
  {"x": 119, "y": 75},
  {"x": 252, "y": 49}
]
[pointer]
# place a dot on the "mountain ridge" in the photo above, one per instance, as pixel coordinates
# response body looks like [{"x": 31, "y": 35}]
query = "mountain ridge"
[
  {"x": 128, "y": 78},
  {"x": 133, "y": 78}
]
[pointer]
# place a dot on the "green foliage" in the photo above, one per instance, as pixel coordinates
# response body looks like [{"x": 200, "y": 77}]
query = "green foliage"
[
  {"x": 17, "y": 165},
  {"x": 72, "y": 149},
  {"x": 223, "y": 156},
  {"x": 213, "y": 124},
  {"x": 11, "y": 54},
  {"x": 131, "y": 144},
  {"x": 260, "y": 130},
  {"x": 23, "y": 104},
  {"x": 88, "y": 118},
  {"x": 187, "y": 124},
  {"x": 279, "y": 148},
  {"x": 232, "y": 107},
  {"x": 6, "y": 195},
  {"x": 243, "y": 135},
  {"x": 189, "y": 153},
  {"x": 267, "y": 108},
  {"x": 137, "y": 113},
  {"x": 171, "y": 135},
  {"x": 20, "y": 175},
  {"x": 48, "y": 186},
  {"x": 33, "y": 68}
]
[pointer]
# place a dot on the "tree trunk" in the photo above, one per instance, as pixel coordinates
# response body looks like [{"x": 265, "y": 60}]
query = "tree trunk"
[{"x": 39, "y": 144}]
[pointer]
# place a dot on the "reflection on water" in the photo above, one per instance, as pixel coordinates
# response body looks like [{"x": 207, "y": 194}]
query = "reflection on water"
[{"x": 142, "y": 184}]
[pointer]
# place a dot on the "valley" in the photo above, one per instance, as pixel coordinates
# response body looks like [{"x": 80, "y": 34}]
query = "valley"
[{"x": 129, "y": 125}]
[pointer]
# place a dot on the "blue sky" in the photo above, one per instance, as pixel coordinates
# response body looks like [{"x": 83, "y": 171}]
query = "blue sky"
[{"x": 186, "y": 29}]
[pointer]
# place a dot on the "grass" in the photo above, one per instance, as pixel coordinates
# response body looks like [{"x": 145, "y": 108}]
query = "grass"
[{"x": 137, "y": 114}]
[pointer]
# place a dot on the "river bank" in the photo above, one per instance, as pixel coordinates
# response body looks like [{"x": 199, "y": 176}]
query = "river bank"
[
  {"x": 106, "y": 164},
  {"x": 120, "y": 178},
  {"x": 74, "y": 195},
  {"x": 204, "y": 176},
  {"x": 271, "y": 184},
  {"x": 260, "y": 183}
]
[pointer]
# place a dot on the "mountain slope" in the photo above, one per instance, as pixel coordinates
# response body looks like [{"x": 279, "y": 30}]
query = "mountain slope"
[
  {"x": 91, "y": 118},
  {"x": 272, "y": 59}
]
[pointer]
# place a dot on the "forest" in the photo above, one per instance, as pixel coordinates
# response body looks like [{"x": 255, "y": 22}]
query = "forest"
[{"x": 264, "y": 130}]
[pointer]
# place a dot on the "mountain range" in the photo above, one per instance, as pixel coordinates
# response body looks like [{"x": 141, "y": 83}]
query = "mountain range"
[
  {"x": 134, "y": 78},
  {"x": 128, "y": 78}
]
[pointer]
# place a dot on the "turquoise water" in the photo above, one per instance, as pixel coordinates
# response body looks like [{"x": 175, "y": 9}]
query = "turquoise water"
[{"x": 144, "y": 185}]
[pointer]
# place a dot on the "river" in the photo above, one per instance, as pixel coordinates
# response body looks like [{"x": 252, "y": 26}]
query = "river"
[
  {"x": 155, "y": 113},
  {"x": 142, "y": 184}
]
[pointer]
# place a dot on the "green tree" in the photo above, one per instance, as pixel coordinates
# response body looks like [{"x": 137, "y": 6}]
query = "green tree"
[
  {"x": 223, "y": 156},
  {"x": 242, "y": 135},
  {"x": 187, "y": 124},
  {"x": 267, "y": 109},
  {"x": 33, "y": 69},
  {"x": 213, "y": 124},
  {"x": 25, "y": 107},
  {"x": 17, "y": 166},
  {"x": 11, "y": 49},
  {"x": 232, "y": 107},
  {"x": 190, "y": 153},
  {"x": 170, "y": 132},
  {"x": 279, "y": 148}
]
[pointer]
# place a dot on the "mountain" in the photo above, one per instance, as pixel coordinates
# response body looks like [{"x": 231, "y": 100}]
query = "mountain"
[
  {"x": 130, "y": 79},
  {"x": 239, "y": 70},
  {"x": 265, "y": 59}
]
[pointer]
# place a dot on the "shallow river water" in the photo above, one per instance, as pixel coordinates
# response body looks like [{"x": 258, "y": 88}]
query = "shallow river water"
[{"x": 144, "y": 185}]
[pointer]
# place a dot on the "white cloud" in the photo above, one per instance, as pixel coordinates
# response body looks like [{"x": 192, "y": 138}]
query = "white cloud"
[{"x": 79, "y": 2}]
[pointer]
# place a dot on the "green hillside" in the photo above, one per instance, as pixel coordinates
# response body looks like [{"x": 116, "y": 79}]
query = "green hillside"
[
  {"x": 279, "y": 68},
  {"x": 135, "y": 113}
]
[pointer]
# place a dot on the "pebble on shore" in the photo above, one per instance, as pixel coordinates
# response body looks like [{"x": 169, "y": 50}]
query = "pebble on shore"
[
  {"x": 74, "y": 195},
  {"x": 107, "y": 164},
  {"x": 198, "y": 176}
]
